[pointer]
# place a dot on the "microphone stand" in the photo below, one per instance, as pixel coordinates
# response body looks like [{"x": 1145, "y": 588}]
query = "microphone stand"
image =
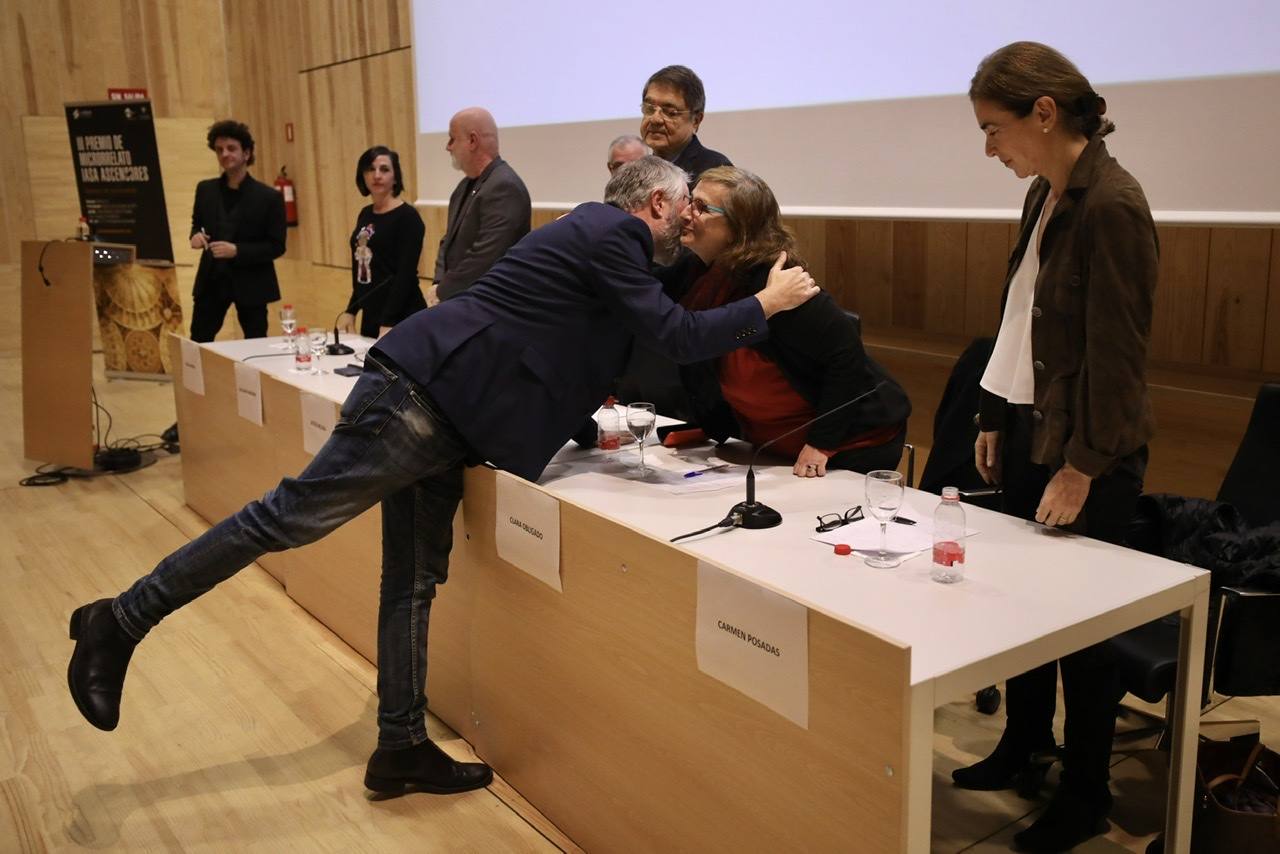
[
  {"x": 752, "y": 514},
  {"x": 337, "y": 348}
]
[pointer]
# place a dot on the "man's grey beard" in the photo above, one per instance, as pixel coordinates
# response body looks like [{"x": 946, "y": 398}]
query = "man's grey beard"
[{"x": 666, "y": 248}]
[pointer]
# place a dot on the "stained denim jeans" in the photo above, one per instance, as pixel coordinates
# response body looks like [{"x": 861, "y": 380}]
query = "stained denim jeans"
[{"x": 390, "y": 444}]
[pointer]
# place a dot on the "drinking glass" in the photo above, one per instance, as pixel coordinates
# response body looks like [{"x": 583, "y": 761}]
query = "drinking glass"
[
  {"x": 640, "y": 420},
  {"x": 884, "y": 498},
  {"x": 317, "y": 339},
  {"x": 288, "y": 323}
]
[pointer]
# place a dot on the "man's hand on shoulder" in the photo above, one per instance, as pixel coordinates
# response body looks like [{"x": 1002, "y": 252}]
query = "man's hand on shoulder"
[{"x": 786, "y": 289}]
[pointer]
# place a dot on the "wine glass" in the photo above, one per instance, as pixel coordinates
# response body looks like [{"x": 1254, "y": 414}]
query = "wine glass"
[
  {"x": 288, "y": 323},
  {"x": 640, "y": 420},
  {"x": 317, "y": 339},
  {"x": 884, "y": 497}
]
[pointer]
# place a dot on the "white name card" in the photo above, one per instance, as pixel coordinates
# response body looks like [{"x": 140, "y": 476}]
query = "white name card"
[
  {"x": 527, "y": 529},
  {"x": 192, "y": 368},
  {"x": 249, "y": 393},
  {"x": 319, "y": 414},
  {"x": 754, "y": 641}
]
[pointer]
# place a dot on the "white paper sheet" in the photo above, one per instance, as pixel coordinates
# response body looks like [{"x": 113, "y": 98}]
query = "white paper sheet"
[
  {"x": 319, "y": 414},
  {"x": 192, "y": 368},
  {"x": 754, "y": 641},
  {"x": 249, "y": 393},
  {"x": 527, "y": 529}
]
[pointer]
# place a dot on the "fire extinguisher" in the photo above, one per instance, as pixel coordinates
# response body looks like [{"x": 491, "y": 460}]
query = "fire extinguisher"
[{"x": 285, "y": 186}]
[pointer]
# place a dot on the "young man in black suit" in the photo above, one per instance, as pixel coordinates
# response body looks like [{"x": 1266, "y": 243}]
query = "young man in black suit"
[{"x": 239, "y": 224}]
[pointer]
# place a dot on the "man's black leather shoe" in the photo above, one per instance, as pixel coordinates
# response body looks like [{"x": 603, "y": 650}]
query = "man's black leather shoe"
[
  {"x": 423, "y": 768},
  {"x": 96, "y": 672}
]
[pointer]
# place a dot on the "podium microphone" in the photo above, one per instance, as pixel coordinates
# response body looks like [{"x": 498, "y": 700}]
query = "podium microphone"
[
  {"x": 337, "y": 348},
  {"x": 751, "y": 513}
]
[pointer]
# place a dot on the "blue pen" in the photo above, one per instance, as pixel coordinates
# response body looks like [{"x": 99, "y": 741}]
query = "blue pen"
[{"x": 720, "y": 467}]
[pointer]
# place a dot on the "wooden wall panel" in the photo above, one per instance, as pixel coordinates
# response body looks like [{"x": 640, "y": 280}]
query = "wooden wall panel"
[
  {"x": 352, "y": 106},
  {"x": 339, "y": 30},
  {"x": 267, "y": 94},
  {"x": 1236, "y": 302},
  {"x": 945, "y": 258},
  {"x": 868, "y": 271},
  {"x": 910, "y": 267},
  {"x": 986, "y": 264},
  {"x": 1271, "y": 347},
  {"x": 1177, "y": 329}
]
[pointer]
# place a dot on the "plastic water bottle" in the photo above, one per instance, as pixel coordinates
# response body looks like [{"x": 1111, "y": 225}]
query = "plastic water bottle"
[
  {"x": 82, "y": 229},
  {"x": 948, "y": 538},
  {"x": 609, "y": 436},
  {"x": 302, "y": 351}
]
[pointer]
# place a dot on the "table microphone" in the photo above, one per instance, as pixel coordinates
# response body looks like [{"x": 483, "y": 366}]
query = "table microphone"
[
  {"x": 751, "y": 513},
  {"x": 337, "y": 348}
]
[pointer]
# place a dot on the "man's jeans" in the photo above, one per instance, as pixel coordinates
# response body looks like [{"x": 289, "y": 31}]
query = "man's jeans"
[{"x": 390, "y": 444}]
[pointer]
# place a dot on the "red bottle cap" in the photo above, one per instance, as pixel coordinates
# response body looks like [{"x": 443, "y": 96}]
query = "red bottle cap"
[{"x": 843, "y": 549}]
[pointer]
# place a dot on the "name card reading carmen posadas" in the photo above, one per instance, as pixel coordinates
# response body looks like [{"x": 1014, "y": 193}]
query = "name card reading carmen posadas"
[
  {"x": 192, "y": 368},
  {"x": 755, "y": 641},
  {"x": 249, "y": 393},
  {"x": 527, "y": 529},
  {"x": 319, "y": 414}
]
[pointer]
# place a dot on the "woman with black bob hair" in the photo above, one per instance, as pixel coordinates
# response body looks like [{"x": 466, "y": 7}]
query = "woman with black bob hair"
[
  {"x": 1064, "y": 415},
  {"x": 813, "y": 360},
  {"x": 385, "y": 247}
]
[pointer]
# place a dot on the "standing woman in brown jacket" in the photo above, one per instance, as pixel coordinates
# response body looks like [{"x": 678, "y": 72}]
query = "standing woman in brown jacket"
[{"x": 1064, "y": 416}]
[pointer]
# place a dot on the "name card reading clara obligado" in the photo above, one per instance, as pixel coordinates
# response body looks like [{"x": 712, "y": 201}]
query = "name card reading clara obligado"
[
  {"x": 527, "y": 529},
  {"x": 192, "y": 368},
  {"x": 249, "y": 393},
  {"x": 754, "y": 641},
  {"x": 319, "y": 414}
]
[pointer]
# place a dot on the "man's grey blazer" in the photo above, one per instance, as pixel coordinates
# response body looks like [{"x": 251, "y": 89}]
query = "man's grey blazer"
[{"x": 487, "y": 216}]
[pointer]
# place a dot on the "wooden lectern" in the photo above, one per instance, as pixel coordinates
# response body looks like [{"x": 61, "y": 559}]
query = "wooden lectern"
[{"x": 57, "y": 349}]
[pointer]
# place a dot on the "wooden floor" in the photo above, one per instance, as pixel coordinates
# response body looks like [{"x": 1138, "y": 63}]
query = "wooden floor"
[{"x": 246, "y": 723}]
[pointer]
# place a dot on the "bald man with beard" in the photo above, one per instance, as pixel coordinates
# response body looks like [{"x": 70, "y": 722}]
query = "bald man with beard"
[{"x": 489, "y": 209}]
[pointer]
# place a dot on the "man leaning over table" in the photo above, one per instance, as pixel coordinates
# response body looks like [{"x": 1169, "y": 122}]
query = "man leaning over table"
[{"x": 495, "y": 373}]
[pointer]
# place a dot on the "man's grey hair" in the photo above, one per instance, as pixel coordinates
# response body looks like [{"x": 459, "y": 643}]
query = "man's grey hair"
[
  {"x": 628, "y": 138},
  {"x": 634, "y": 182}
]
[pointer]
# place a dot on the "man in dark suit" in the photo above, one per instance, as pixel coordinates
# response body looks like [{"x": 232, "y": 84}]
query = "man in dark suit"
[
  {"x": 672, "y": 105},
  {"x": 497, "y": 373},
  {"x": 240, "y": 226},
  {"x": 488, "y": 211}
]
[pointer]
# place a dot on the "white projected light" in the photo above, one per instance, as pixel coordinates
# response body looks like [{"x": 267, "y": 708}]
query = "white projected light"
[{"x": 852, "y": 105}]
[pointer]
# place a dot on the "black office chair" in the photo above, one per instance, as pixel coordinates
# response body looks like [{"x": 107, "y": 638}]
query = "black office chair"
[{"x": 1243, "y": 623}]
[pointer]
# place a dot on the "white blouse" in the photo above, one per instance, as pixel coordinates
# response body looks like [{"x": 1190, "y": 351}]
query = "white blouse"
[{"x": 1010, "y": 373}]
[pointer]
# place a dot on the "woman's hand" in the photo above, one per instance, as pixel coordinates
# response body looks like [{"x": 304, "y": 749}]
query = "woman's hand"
[
  {"x": 785, "y": 289},
  {"x": 347, "y": 323},
  {"x": 383, "y": 330},
  {"x": 986, "y": 455},
  {"x": 1064, "y": 497},
  {"x": 810, "y": 463},
  {"x": 222, "y": 249},
  {"x": 433, "y": 296}
]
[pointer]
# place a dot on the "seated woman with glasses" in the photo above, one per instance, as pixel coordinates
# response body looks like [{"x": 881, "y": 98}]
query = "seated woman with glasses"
[{"x": 813, "y": 360}]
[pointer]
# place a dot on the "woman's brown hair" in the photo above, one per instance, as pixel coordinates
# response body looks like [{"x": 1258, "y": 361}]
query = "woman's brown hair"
[
  {"x": 753, "y": 216},
  {"x": 1019, "y": 73}
]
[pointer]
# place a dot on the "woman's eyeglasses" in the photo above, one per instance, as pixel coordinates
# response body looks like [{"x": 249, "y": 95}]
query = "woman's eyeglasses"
[
  {"x": 701, "y": 208},
  {"x": 831, "y": 521}
]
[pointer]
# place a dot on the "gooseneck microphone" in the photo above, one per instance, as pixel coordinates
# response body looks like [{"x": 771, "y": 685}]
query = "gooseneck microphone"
[
  {"x": 751, "y": 513},
  {"x": 337, "y": 348}
]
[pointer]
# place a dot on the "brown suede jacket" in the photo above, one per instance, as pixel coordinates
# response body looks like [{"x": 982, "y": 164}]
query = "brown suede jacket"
[{"x": 1091, "y": 317}]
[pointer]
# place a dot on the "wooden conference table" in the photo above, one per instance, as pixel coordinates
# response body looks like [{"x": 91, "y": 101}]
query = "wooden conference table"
[{"x": 590, "y": 700}]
